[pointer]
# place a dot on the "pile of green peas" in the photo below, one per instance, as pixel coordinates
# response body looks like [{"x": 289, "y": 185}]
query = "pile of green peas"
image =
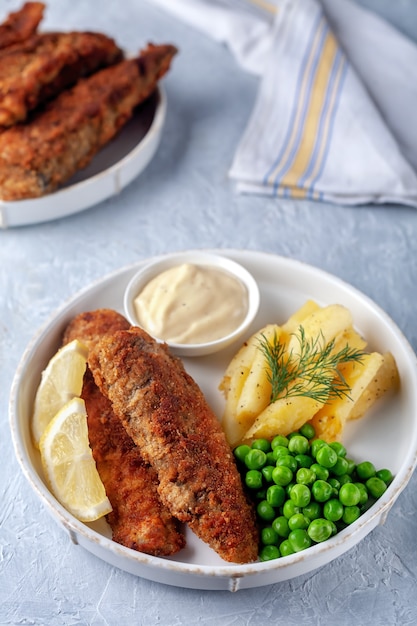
[{"x": 305, "y": 490}]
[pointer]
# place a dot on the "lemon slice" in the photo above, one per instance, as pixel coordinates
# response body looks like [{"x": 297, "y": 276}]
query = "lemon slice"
[
  {"x": 69, "y": 465},
  {"x": 61, "y": 380}
]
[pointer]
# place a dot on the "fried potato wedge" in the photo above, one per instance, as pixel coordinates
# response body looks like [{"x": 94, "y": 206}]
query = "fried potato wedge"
[
  {"x": 246, "y": 385},
  {"x": 250, "y": 412},
  {"x": 330, "y": 420},
  {"x": 293, "y": 323},
  {"x": 282, "y": 417},
  {"x": 326, "y": 323},
  {"x": 385, "y": 379}
]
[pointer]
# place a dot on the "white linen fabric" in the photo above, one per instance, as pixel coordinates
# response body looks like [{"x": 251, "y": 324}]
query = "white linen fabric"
[{"x": 335, "y": 117}]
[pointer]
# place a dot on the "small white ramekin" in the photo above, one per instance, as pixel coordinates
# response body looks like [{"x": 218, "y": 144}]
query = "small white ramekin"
[{"x": 205, "y": 259}]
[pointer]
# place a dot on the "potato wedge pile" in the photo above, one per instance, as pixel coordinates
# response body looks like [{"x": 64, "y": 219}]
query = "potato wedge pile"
[{"x": 357, "y": 377}]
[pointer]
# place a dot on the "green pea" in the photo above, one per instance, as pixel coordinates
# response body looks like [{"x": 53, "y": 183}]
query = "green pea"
[
  {"x": 340, "y": 467},
  {"x": 255, "y": 459},
  {"x": 280, "y": 525},
  {"x": 279, "y": 451},
  {"x": 304, "y": 460},
  {"x": 307, "y": 430},
  {"x": 335, "y": 483},
  {"x": 298, "y": 444},
  {"x": 305, "y": 476},
  {"x": 321, "y": 490},
  {"x": 241, "y": 451},
  {"x": 279, "y": 440},
  {"x": 322, "y": 473},
  {"x": 313, "y": 510},
  {"x": 282, "y": 475},
  {"x": 333, "y": 510},
  {"x": 275, "y": 495},
  {"x": 269, "y": 536},
  {"x": 288, "y": 488},
  {"x": 339, "y": 448},
  {"x": 349, "y": 494},
  {"x": 288, "y": 461},
  {"x": 265, "y": 511},
  {"x": 253, "y": 479},
  {"x": 260, "y": 494},
  {"x": 298, "y": 520},
  {"x": 300, "y": 495},
  {"x": 270, "y": 458},
  {"x": 363, "y": 493},
  {"x": 261, "y": 444},
  {"x": 326, "y": 456},
  {"x": 267, "y": 472},
  {"x": 286, "y": 548},
  {"x": 351, "y": 466},
  {"x": 351, "y": 514},
  {"x": 299, "y": 539},
  {"x": 289, "y": 508},
  {"x": 365, "y": 470},
  {"x": 315, "y": 446},
  {"x": 320, "y": 530},
  {"x": 268, "y": 553},
  {"x": 385, "y": 475},
  {"x": 375, "y": 486},
  {"x": 345, "y": 478}
]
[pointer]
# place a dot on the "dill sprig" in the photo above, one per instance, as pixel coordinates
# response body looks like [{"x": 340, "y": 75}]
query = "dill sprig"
[{"x": 312, "y": 372}]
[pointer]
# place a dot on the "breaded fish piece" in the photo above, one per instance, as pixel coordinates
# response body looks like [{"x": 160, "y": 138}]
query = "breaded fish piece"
[
  {"x": 38, "y": 156},
  {"x": 167, "y": 416},
  {"x": 139, "y": 520},
  {"x": 89, "y": 326},
  {"x": 42, "y": 66},
  {"x": 21, "y": 24}
]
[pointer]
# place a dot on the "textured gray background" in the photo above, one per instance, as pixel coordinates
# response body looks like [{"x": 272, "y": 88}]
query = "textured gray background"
[{"x": 185, "y": 200}]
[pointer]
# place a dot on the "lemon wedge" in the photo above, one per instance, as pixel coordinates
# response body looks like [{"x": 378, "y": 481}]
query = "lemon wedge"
[
  {"x": 69, "y": 465},
  {"x": 61, "y": 380}
]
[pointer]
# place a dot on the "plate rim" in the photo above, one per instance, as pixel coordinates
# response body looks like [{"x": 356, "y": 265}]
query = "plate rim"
[{"x": 235, "y": 574}]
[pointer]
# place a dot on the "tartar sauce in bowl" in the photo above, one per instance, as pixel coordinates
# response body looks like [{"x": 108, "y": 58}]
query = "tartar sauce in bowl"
[
  {"x": 195, "y": 302},
  {"x": 192, "y": 304}
]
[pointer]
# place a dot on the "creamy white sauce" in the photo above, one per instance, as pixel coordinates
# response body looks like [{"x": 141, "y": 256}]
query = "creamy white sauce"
[{"x": 192, "y": 304}]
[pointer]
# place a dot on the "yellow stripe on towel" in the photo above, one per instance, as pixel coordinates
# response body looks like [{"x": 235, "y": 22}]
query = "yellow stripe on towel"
[
  {"x": 304, "y": 94},
  {"x": 317, "y": 99},
  {"x": 308, "y": 181}
]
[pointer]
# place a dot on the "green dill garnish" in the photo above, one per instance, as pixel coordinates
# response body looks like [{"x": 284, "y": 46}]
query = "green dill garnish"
[{"x": 313, "y": 372}]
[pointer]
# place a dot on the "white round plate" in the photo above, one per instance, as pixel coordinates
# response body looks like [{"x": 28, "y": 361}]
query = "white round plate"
[
  {"x": 284, "y": 285},
  {"x": 114, "y": 167}
]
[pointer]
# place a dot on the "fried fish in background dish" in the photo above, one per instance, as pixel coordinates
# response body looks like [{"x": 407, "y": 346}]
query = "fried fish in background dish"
[
  {"x": 138, "y": 520},
  {"x": 44, "y": 65},
  {"x": 21, "y": 24},
  {"x": 42, "y": 154},
  {"x": 167, "y": 416}
]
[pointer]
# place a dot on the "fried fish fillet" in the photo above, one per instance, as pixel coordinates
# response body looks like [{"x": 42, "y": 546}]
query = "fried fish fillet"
[
  {"x": 138, "y": 520},
  {"x": 21, "y": 24},
  {"x": 167, "y": 416},
  {"x": 42, "y": 66},
  {"x": 38, "y": 156},
  {"x": 89, "y": 326}
]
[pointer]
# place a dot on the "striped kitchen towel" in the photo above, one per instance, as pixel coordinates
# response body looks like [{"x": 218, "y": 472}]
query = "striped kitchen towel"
[{"x": 335, "y": 117}]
